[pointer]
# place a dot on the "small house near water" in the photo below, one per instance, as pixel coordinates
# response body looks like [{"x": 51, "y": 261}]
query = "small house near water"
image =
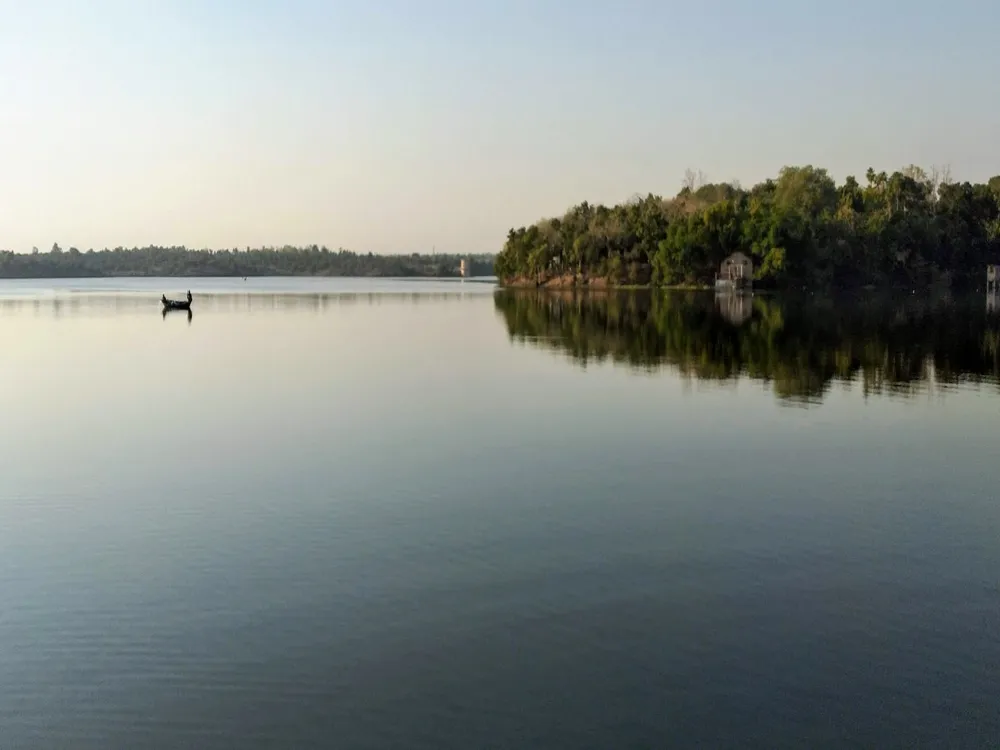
[{"x": 736, "y": 272}]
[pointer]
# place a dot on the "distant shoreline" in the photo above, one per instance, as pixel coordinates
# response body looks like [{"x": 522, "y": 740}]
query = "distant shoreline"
[
  {"x": 288, "y": 261},
  {"x": 472, "y": 279},
  {"x": 594, "y": 283},
  {"x": 602, "y": 284},
  {"x": 585, "y": 282}
]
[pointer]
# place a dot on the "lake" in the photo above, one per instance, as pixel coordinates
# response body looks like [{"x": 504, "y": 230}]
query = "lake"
[{"x": 429, "y": 514}]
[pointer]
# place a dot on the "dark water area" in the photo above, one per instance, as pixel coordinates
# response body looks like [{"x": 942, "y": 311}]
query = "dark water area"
[
  {"x": 370, "y": 514},
  {"x": 802, "y": 345}
]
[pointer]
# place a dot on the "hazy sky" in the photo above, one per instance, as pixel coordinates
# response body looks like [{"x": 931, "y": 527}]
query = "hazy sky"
[{"x": 399, "y": 125}]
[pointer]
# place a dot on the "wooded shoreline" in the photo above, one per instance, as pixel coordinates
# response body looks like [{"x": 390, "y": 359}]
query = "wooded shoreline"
[{"x": 911, "y": 229}]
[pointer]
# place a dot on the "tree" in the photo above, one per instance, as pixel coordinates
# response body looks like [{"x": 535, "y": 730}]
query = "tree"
[
  {"x": 994, "y": 186},
  {"x": 693, "y": 180}
]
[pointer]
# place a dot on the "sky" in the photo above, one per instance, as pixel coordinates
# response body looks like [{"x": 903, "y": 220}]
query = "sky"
[{"x": 411, "y": 125}]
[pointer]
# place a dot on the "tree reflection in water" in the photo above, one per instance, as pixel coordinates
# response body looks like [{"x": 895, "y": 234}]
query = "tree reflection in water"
[{"x": 800, "y": 345}]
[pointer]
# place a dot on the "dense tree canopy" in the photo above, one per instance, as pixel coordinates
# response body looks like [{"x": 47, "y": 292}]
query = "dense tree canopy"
[
  {"x": 801, "y": 345},
  {"x": 181, "y": 261},
  {"x": 908, "y": 228}
]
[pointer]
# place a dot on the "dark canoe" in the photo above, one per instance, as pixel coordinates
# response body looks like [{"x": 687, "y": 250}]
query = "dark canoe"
[{"x": 173, "y": 304}]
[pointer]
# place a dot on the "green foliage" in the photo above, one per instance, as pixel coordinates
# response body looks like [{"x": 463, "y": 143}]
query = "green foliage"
[
  {"x": 908, "y": 228},
  {"x": 180, "y": 261}
]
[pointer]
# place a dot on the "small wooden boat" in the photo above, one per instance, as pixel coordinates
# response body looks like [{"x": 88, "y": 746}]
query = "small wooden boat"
[{"x": 176, "y": 304}]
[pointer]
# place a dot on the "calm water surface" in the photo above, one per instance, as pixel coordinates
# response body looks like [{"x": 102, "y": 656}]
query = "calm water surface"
[{"x": 329, "y": 513}]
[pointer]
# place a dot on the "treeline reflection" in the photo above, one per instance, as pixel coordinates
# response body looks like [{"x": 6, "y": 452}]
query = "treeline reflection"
[{"x": 801, "y": 346}]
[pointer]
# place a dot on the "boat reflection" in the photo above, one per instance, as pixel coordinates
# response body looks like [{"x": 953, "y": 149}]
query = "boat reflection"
[{"x": 168, "y": 310}]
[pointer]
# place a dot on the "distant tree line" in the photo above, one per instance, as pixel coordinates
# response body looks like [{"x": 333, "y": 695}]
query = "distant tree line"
[
  {"x": 268, "y": 261},
  {"x": 912, "y": 227}
]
